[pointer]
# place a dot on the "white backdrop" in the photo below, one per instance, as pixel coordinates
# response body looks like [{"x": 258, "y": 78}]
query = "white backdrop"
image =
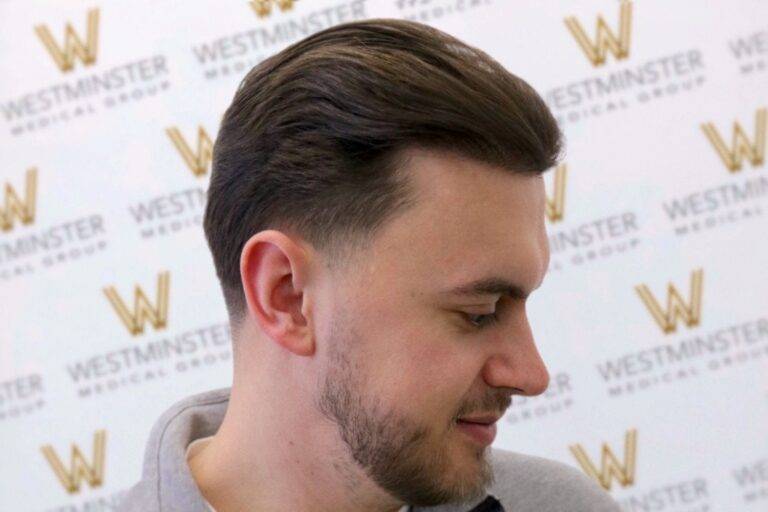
[{"x": 105, "y": 148}]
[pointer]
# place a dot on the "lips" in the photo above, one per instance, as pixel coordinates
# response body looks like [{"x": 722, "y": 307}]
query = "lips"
[
  {"x": 483, "y": 433},
  {"x": 486, "y": 419}
]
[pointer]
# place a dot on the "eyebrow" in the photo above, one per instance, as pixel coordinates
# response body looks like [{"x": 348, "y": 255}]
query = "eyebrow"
[{"x": 489, "y": 286}]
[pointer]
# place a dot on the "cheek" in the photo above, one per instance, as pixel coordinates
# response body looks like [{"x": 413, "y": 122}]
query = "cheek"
[
  {"x": 417, "y": 370},
  {"x": 430, "y": 375},
  {"x": 412, "y": 359},
  {"x": 443, "y": 375}
]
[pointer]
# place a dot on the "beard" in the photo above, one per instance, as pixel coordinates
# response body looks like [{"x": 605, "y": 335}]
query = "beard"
[{"x": 413, "y": 462}]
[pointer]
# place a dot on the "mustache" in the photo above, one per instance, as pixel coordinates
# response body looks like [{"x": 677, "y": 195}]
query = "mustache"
[{"x": 496, "y": 401}]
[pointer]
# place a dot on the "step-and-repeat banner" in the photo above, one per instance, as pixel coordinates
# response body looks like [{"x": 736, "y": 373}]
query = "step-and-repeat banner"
[{"x": 653, "y": 318}]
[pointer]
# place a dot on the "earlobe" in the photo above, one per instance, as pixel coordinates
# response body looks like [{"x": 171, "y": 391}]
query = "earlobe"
[{"x": 273, "y": 272}]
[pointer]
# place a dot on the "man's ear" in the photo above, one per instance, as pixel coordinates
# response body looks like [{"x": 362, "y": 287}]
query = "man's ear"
[{"x": 273, "y": 272}]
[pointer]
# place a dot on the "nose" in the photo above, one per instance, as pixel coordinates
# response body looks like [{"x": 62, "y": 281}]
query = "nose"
[{"x": 515, "y": 362}]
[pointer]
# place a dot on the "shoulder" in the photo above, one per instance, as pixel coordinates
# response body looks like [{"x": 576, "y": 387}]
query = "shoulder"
[
  {"x": 526, "y": 483},
  {"x": 138, "y": 498},
  {"x": 164, "y": 470}
]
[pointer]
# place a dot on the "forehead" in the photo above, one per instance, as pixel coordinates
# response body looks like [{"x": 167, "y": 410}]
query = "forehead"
[{"x": 469, "y": 219}]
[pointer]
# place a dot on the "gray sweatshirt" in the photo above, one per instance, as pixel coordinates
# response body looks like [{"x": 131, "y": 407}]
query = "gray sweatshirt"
[{"x": 523, "y": 483}]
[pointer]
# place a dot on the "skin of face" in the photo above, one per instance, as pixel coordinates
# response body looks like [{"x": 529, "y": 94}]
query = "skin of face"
[{"x": 378, "y": 358}]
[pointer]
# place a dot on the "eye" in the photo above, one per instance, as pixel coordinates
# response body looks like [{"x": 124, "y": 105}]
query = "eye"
[{"x": 481, "y": 321}]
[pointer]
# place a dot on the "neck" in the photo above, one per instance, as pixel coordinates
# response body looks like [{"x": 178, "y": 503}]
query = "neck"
[{"x": 271, "y": 456}]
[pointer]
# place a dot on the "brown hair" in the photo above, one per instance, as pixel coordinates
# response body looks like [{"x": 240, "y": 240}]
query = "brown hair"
[{"x": 314, "y": 137}]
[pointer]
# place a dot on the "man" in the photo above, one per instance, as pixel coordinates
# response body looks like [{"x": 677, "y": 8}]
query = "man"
[{"x": 376, "y": 219}]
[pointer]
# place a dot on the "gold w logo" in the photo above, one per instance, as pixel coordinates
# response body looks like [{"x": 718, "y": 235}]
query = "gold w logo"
[
  {"x": 142, "y": 308},
  {"x": 15, "y": 207},
  {"x": 79, "y": 468},
  {"x": 605, "y": 40},
  {"x": 610, "y": 467},
  {"x": 73, "y": 45},
  {"x": 199, "y": 162},
  {"x": 556, "y": 205},
  {"x": 676, "y": 306},
  {"x": 263, "y": 8},
  {"x": 741, "y": 146}
]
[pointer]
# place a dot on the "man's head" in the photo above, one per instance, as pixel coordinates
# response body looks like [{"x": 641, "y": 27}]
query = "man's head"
[{"x": 376, "y": 196}]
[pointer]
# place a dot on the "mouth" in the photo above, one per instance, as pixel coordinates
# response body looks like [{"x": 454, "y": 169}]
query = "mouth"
[
  {"x": 485, "y": 419},
  {"x": 482, "y": 430}
]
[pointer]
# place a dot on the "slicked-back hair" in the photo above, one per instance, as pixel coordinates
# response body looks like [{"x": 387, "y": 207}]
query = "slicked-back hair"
[{"x": 314, "y": 138}]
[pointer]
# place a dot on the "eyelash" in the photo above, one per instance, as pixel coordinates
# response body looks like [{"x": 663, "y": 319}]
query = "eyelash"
[{"x": 490, "y": 319}]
